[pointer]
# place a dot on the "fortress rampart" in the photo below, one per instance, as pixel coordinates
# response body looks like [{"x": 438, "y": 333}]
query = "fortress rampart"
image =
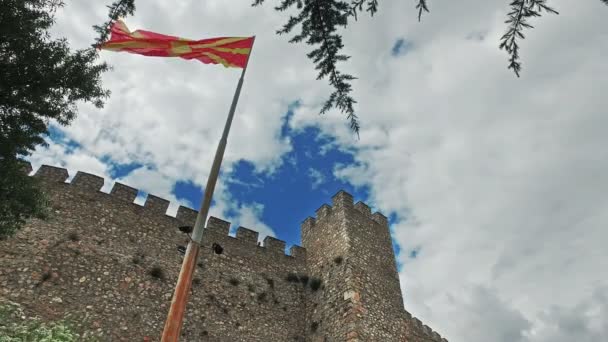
[{"x": 112, "y": 264}]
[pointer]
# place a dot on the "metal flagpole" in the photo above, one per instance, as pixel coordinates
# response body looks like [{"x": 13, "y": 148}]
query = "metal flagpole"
[{"x": 173, "y": 324}]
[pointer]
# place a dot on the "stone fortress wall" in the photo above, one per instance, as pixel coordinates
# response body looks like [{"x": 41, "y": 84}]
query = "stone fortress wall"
[{"x": 111, "y": 266}]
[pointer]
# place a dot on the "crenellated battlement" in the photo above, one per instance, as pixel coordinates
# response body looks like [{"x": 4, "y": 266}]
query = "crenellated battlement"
[
  {"x": 249, "y": 284},
  {"x": 51, "y": 173},
  {"x": 424, "y": 329},
  {"x": 340, "y": 202},
  {"x": 86, "y": 182}
]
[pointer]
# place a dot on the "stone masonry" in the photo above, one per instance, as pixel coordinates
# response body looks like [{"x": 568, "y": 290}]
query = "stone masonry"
[{"x": 110, "y": 265}]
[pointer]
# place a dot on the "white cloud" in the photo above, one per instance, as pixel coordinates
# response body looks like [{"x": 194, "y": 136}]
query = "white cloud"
[
  {"x": 72, "y": 159},
  {"x": 499, "y": 181},
  {"x": 156, "y": 183},
  {"x": 316, "y": 177},
  {"x": 248, "y": 215}
]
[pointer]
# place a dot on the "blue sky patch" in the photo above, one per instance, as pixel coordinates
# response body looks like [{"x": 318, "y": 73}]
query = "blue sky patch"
[
  {"x": 414, "y": 253},
  {"x": 299, "y": 186},
  {"x": 57, "y": 135},
  {"x": 401, "y": 47}
]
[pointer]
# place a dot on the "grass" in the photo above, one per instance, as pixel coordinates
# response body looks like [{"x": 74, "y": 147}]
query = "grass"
[{"x": 16, "y": 329}]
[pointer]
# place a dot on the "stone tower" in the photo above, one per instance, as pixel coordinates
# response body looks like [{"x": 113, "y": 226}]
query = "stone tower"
[
  {"x": 114, "y": 263},
  {"x": 351, "y": 250}
]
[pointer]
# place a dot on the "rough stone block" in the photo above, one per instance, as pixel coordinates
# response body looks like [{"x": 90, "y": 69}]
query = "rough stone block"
[
  {"x": 380, "y": 219},
  {"x": 157, "y": 204},
  {"x": 218, "y": 225},
  {"x": 342, "y": 200},
  {"x": 186, "y": 215},
  {"x": 323, "y": 211},
  {"x": 427, "y": 330},
  {"x": 87, "y": 181},
  {"x": 297, "y": 252},
  {"x": 407, "y": 314},
  {"x": 307, "y": 227},
  {"x": 124, "y": 192},
  {"x": 52, "y": 174},
  {"x": 274, "y": 245},
  {"x": 247, "y": 235},
  {"x": 363, "y": 208}
]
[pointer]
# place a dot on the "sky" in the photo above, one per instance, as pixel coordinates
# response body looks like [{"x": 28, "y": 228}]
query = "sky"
[{"x": 495, "y": 185}]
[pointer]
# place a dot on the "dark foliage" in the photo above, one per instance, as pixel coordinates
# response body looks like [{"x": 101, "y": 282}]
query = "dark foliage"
[
  {"x": 314, "y": 326},
  {"x": 292, "y": 278},
  {"x": 196, "y": 281},
  {"x": 315, "y": 284},
  {"x": 521, "y": 12},
  {"x": 157, "y": 272},
  {"x": 42, "y": 80},
  {"x": 234, "y": 282},
  {"x": 73, "y": 236},
  {"x": 185, "y": 229},
  {"x": 304, "y": 279},
  {"x": 250, "y": 288},
  {"x": 319, "y": 21},
  {"x": 421, "y": 6},
  {"x": 118, "y": 9},
  {"x": 20, "y": 195},
  {"x": 262, "y": 297},
  {"x": 45, "y": 276},
  {"x": 270, "y": 282},
  {"x": 338, "y": 260},
  {"x": 217, "y": 249}
]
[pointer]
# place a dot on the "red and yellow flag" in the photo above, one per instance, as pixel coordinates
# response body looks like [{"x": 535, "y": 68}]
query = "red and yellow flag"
[{"x": 228, "y": 51}]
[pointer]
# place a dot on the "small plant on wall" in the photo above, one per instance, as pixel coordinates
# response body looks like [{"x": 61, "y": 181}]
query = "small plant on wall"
[{"x": 157, "y": 272}]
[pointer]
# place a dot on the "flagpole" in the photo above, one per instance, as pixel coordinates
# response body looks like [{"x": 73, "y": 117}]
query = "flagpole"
[{"x": 173, "y": 324}]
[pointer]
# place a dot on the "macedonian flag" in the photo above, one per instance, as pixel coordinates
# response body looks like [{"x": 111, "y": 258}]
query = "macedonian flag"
[{"x": 228, "y": 51}]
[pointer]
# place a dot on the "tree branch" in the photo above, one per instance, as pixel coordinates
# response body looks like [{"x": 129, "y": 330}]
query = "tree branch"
[
  {"x": 118, "y": 9},
  {"x": 521, "y": 11},
  {"x": 421, "y": 6}
]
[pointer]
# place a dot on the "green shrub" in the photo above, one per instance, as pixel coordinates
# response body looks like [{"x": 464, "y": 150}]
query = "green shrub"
[{"x": 15, "y": 329}]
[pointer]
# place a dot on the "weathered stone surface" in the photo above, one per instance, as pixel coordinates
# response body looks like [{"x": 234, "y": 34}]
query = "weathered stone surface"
[{"x": 114, "y": 263}]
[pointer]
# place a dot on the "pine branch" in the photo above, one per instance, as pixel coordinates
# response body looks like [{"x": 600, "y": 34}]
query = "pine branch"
[
  {"x": 357, "y": 5},
  {"x": 521, "y": 11},
  {"x": 604, "y": 1},
  {"x": 319, "y": 21},
  {"x": 421, "y": 6},
  {"x": 118, "y": 9}
]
